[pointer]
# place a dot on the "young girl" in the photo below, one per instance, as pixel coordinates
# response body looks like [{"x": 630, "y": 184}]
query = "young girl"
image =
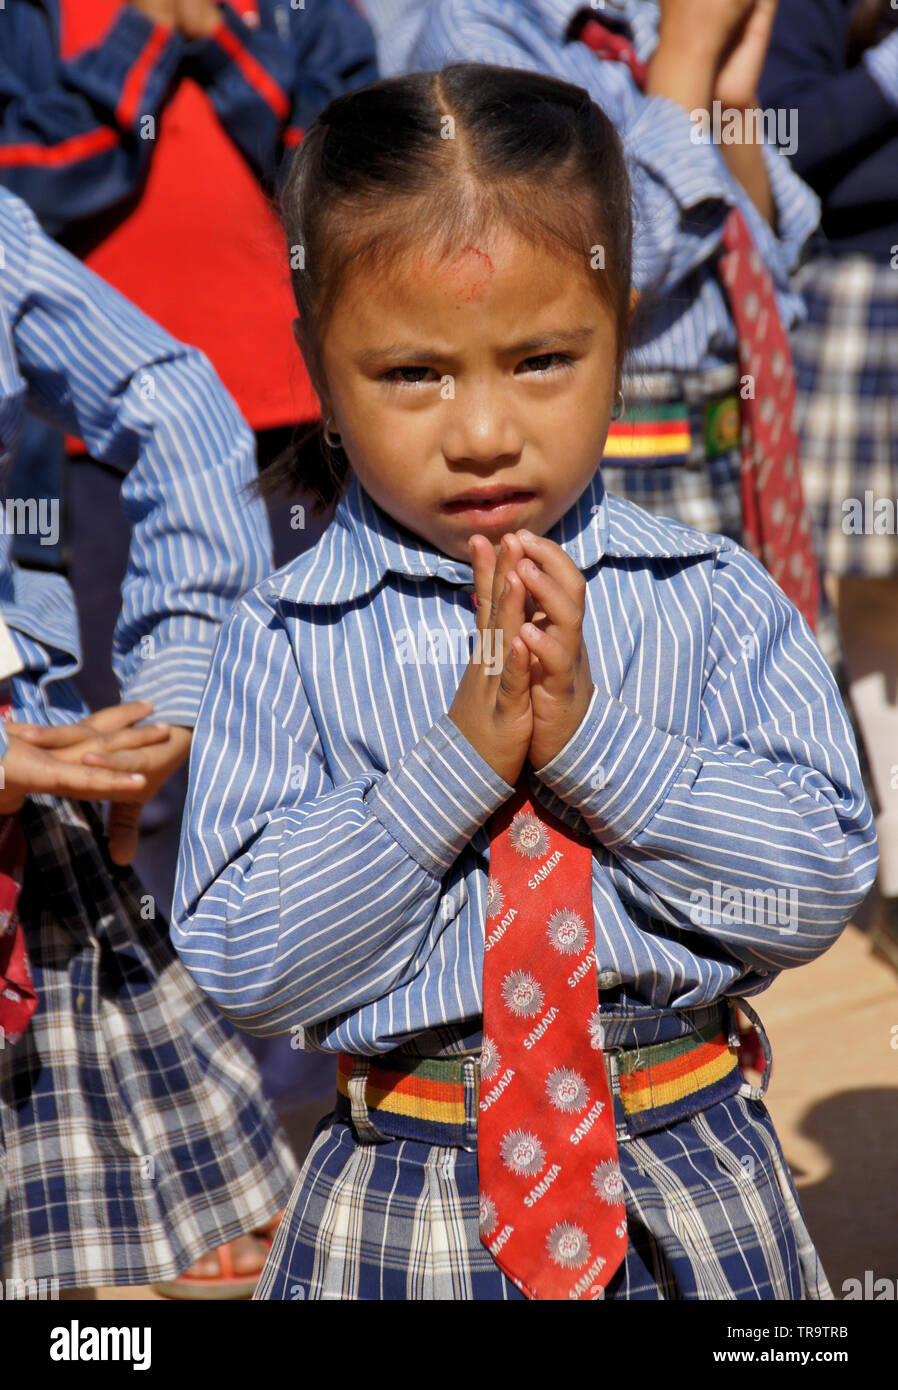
[{"x": 648, "y": 685}]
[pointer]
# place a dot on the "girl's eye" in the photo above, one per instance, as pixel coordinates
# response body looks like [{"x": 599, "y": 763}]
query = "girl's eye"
[
  {"x": 393, "y": 377},
  {"x": 549, "y": 359}
]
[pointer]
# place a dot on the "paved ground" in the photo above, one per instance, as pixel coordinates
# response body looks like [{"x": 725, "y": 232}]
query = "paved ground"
[{"x": 834, "y": 1099}]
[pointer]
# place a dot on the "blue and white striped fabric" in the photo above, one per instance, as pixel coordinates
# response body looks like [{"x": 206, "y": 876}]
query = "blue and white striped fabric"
[
  {"x": 78, "y": 354},
  {"x": 334, "y": 856},
  {"x": 682, "y": 190}
]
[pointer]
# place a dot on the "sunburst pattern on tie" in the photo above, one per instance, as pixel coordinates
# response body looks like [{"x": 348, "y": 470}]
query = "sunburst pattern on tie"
[{"x": 551, "y": 1193}]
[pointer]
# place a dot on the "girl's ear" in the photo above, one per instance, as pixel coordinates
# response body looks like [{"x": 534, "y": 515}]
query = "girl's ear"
[{"x": 635, "y": 297}]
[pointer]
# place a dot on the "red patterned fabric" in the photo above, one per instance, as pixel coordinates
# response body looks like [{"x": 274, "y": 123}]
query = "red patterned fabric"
[
  {"x": 774, "y": 517},
  {"x": 551, "y": 1194},
  {"x": 18, "y": 1000}
]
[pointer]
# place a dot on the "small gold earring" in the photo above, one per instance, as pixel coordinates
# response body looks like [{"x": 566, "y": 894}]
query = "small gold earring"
[
  {"x": 333, "y": 440},
  {"x": 616, "y": 414}
]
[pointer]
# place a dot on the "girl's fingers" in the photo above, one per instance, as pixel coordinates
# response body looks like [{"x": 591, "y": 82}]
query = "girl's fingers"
[
  {"x": 554, "y": 562},
  {"x": 86, "y": 783},
  {"x": 113, "y": 717},
  {"x": 67, "y": 735},
  {"x": 59, "y": 736},
  {"x": 554, "y": 658},
  {"x": 564, "y": 616}
]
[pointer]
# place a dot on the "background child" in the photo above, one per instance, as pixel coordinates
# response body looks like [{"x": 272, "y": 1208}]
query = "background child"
[
  {"x": 334, "y": 871},
  {"x": 843, "y": 87},
  {"x": 133, "y": 1133}
]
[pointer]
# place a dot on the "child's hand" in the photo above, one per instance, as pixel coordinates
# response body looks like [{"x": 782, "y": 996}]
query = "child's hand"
[
  {"x": 197, "y": 18},
  {"x": 106, "y": 731},
  {"x": 694, "y": 36},
  {"x": 106, "y": 740},
  {"x": 27, "y": 769},
  {"x": 156, "y": 763},
  {"x": 736, "y": 83},
  {"x": 561, "y": 682},
  {"x": 492, "y": 706}
]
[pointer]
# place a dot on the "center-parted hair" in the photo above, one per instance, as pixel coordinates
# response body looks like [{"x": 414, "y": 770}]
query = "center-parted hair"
[{"x": 435, "y": 161}]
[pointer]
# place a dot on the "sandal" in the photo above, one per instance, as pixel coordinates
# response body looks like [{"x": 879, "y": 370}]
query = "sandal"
[{"x": 227, "y": 1284}]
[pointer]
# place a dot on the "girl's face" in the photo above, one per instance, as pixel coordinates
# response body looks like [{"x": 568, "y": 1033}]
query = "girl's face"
[{"x": 495, "y": 369}]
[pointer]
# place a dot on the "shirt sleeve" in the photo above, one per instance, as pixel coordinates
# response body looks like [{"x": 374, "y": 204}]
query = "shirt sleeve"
[
  {"x": 881, "y": 62},
  {"x": 267, "y": 88},
  {"x": 765, "y": 809},
  {"x": 154, "y": 410},
  {"x": 298, "y": 897},
  {"x": 76, "y": 137}
]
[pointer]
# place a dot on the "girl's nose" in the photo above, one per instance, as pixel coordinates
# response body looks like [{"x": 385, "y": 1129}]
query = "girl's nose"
[{"x": 481, "y": 432}]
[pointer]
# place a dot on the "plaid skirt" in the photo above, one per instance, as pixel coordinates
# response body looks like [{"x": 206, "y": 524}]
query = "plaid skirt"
[
  {"x": 712, "y": 1213},
  {"x": 134, "y": 1136},
  {"x": 846, "y": 360}
]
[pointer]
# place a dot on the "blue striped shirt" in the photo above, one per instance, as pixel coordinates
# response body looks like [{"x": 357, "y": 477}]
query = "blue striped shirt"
[
  {"x": 682, "y": 190},
  {"x": 76, "y": 353},
  {"x": 334, "y": 854}
]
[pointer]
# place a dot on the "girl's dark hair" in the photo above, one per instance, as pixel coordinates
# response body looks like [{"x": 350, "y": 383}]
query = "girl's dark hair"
[{"x": 438, "y": 159}]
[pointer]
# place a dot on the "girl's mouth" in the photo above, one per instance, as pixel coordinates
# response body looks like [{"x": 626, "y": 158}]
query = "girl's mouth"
[{"x": 489, "y": 510}]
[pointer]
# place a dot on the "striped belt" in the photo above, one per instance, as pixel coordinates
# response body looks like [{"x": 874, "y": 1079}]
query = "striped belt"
[
  {"x": 435, "y": 1100},
  {"x": 660, "y": 434}
]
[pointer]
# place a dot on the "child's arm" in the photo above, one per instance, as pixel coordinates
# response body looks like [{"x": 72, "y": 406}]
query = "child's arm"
[
  {"x": 154, "y": 410},
  {"x": 762, "y": 816},
  {"x": 76, "y": 137},
  {"x": 267, "y": 87},
  {"x": 298, "y": 900}
]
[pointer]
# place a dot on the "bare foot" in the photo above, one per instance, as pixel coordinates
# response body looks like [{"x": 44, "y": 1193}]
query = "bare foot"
[{"x": 247, "y": 1256}]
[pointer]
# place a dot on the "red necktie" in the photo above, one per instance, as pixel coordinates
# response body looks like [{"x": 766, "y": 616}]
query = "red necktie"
[
  {"x": 551, "y": 1194},
  {"x": 774, "y": 517},
  {"x": 18, "y": 1000}
]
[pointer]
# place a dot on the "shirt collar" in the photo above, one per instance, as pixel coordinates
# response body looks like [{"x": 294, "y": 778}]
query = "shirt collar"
[{"x": 362, "y": 545}]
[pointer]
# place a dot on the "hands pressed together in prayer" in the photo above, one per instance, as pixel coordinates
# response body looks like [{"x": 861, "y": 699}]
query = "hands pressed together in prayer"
[
  {"x": 533, "y": 597},
  {"x": 101, "y": 758},
  {"x": 192, "y": 18}
]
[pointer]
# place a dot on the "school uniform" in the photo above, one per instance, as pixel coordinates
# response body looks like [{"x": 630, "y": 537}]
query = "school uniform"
[
  {"x": 133, "y": 1135},
  {"x": 845, "y": 356},
  {"x": 334, "y": 864}
]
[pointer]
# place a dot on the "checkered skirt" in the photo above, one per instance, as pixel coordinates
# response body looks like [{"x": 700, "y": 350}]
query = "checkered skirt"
[
  {"x": 133, "y": 1133},
  {"x": 712, "y": 1213},
  {"x": 846, "y": 360}
]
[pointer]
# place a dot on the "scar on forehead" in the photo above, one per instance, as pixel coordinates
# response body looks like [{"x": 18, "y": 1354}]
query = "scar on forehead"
[{"x": 473, "y": 270}]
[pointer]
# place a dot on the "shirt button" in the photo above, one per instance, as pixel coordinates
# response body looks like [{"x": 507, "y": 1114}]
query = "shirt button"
[{"x": 79, "y": 1002}]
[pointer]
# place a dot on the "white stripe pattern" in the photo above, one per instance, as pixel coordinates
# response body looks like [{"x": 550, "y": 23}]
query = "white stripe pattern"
[
  {"x": 80, "y": 355},
  {"x": 334, "y": 855}
]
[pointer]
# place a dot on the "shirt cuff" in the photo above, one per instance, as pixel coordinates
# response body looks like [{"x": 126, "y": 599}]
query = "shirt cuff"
[
  {"x": 174, "y": 680},
  {"x": 437, "y": 796},
  {"x": 882, "y": 64},
  {"x": 665, "y": 141},
  {"x": 797, "y": 210},
  {"x": 616, "y": 769}
]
